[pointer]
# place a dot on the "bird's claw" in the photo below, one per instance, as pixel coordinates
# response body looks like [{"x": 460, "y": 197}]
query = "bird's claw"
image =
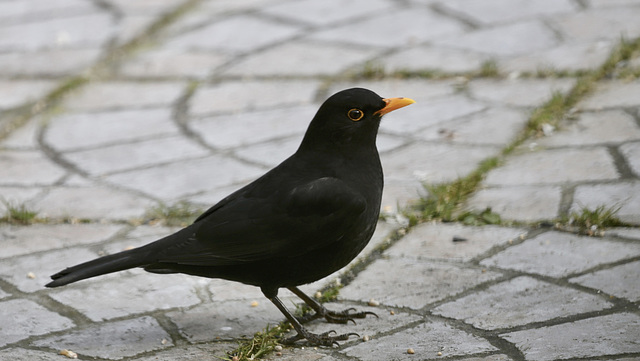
[
  {"x": 341, "y": 317},
  {"x": 323, "y": 339}
]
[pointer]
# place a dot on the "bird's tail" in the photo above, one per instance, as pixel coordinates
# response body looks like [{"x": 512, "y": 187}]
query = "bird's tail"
[{"x": 103, "y": 265}]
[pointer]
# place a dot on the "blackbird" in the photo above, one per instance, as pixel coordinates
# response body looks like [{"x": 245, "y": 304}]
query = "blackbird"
[{"x": 301, "y": 221}]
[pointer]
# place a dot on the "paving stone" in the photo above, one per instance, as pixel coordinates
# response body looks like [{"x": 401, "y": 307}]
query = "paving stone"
[
  {"x": 193, "y": 352},
  {"x": 170, "y": 63},
  {"x": 24, "y": 137},
  {"x": 631, "y": 153},
  {"x": 223, "y": 290},
  {"x": 121, "y": 94},
  {"x": 403, "y": 27},
  {"x": 520, "y": 92},
  {"x": 434, "y": 163},
  {"x": 427, "y": 339},
  {"x": 125, "y": 338},
  {"x": 24, "y": 318},
  {"x": 399, "y": 193},
  {"x": 413, "y": 283},
  {"x": 435, "y": 240},
  {"x": 605, "y": 127},
  {"x": 93, "y": 202},
  {"x": 122, "y": 157},
  {"x": 225, "y": 320},
  {"x": 598, "y": 24},
  {"x": 22, "y": 354},
  {"x": 186, "y": 177},
  {"x": 239, "y": 96},
  {"x": 73, "y": 31},
  {"x": 4, "y": 294},
  {"x": 14, "y": 93},
  {"x": 507, "y": 11},
  {"x": 271, "y": 152},
  {"x": 326, "y": 12},
  {"x": 554, "y": 167},
  {"x": 234, "y": 34},
  {"x": 16, "y": 196},
  {"x": 509, "y": 40},
  {"x": 612, "y": 94},
  {"x": 102, "y": 300},
  {"x": 567, "y": 57},
  {"x": 295, "y": 354},
  {"x": 131, "y": 26},
  {"x": 433, "y": 58},
  {"x": 598, "y": 336},
  {"x": 146, "y": 6},
  {"x": 498, "y": 357},
  {"x": 299, "y": 59},
  {"x": 38, "y": 9},
  {"x": 520, "y": 203},
  {"x": 625, "y": 195},
  {"x": 558, "y": 254},
  {"x": 82, "y": 130},
  {"x": 494, "y": 126},
  {"x": 423, "y": 92},
  {"x": 520, "y": 301},
  {"x": 626, "y": 285},
  {"x": 20, "y": 240},
  {"x": 234, "y": 130},
  {"x": 625, "y": 232},
  {"x": 52, "y": 62},
  {"x": 28, "y": 168}
]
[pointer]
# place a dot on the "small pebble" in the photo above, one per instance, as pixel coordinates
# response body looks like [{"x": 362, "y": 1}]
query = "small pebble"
[
  {"x": 254, "y": 304},
  {"x": 164, "y": 341},
  {"x": 439, "y": 353},
  {"x": 31, "y": 275},
  {"x": 392, "y": 313},
  {"x": 365, "y": 338},
  {"x": 69, "y": 354},
  {"x": 318, "y": 295},
  {"x": 411, "y": 351},
  {"x": 373, "y": 302},
  {"x": 278, "y": 348},
  {"x": 235, "y": 358},
  {"x": 278, "y": 353}
]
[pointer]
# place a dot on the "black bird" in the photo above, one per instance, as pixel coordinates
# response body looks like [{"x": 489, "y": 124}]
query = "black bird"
[{"x": 301, "y": 221}]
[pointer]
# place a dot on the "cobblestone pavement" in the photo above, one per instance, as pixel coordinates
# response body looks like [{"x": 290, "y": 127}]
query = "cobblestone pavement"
[{"x": 111, "y": 107}]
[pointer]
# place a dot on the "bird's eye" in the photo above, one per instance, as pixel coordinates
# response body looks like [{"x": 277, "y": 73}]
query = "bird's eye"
[{"x": 355, "y": 114}]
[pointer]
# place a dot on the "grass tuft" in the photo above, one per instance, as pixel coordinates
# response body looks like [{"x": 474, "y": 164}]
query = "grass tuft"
[
  {"x": 593, "y": 221},
  {"x": 262, "y": 343},
  {"x": 18, "y": 214}
]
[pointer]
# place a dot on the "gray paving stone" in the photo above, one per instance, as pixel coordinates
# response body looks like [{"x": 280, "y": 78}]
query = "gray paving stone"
[
  {"x": 271, "y": 152},
  {"x": 302, "y": 353},
  {"x": 122, "y": 94},
  {"x": 20, "y": 240},
  {"x": 520, "y": 92},
  {"x": 506, "y": 11},
  {"x": 612, "y": 94},
  {"x": 234, "y": 130},
  {"x": 605, "y": 127},
  {"x": 52, "y": 62},
  {"x": 326, "y": 12},
  {"x": 122, "y": 157},
  {"x": 186, "y": 177},
  {"x": 598, "y": 24},
  {"x": 225, "y": 320},
  {"x": 25, "y": 318},
  {"x": 28, "y": 168},
  {"x": 22, "y": 354},
  {"x": 88, "y": 130},
  {"x": 434, "y": 58},
  {"x": 299, "y": 59},
  {"x": 234, "y": 34},
  {"x": 404, "y": 27},
  {"x": 610, "y": 3},
  {"x": 625, "y": 195},
  {"x": 598, "y": 336},
  {"x": 192, "y": 352},
  {"x": 171, "y": 63},
  {"x": 24, "y": 137},
  {"x": 74, "y": 31},
  {"x": 131, "y": 26},
  {"x": 16, "y": 196},
  {"x": 427, "y": 339},
  {"x": 435, "y": 240},
  {"x": 631, "y": 152},
  {"x": 423, "y": 92},
  {"x": 146, "y": 6},
  {"x": 632, "y": 233},
  {"x": 4, "y": 294},
  {"x": 570, "y": 57},
  {"x": 398, "y": 193},
  {"x": 520, "y": 301},
  {"x": 558, "y": 254},
  {"x": 413, "y": 283},
  {"x": 494, "y": 126},
  {"x": 521, "y": 203},
  {"x": 121, "y": 296},
  {"x": 497, "y": 357},
  {"x": 626, "y": 284},
  {"x": 223, "y": 290},
  {"x": 14, "y": 93},
  {"x": 42, "y": 265},
  {"x": 114, "y": 340},
  {"x": 434, "y": 163},
  {"x": 236, "y": 96},
  {"x": 92, "y": 202},
  {"x": 554, "y": 167},
  {"x": 509, "y": 40},
  {"x": 23, "y": 11}
]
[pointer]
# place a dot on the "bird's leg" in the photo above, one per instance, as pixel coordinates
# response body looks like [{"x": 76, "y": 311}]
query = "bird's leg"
[
  {"x": 323, "y": 339},
  {"x": 331, "y": 316}
]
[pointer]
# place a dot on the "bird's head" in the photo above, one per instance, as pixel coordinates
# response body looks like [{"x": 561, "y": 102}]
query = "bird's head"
[{"x": 350, "y": 118}]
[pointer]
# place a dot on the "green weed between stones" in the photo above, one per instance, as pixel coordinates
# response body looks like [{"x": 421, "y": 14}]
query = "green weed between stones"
[
  {"x": 263, "y": 343},
  {"x": 592, "y": 221},
  {"x": 18, "y": 214}
]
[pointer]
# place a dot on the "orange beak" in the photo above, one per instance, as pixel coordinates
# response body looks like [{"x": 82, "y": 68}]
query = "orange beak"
[{"x": 393, "y": 104}]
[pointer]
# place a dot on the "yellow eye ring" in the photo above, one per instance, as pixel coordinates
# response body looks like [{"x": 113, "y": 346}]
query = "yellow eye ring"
[{"x": 355, "y": 114}]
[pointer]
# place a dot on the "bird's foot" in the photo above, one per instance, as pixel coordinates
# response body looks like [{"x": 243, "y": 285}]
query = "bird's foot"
[
  {"x": 341, "y": 317},
  {"x": 323, "y": 339}
]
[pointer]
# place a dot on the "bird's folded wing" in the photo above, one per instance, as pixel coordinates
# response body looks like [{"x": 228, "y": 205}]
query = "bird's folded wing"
[{"x": 249, "y": 228}]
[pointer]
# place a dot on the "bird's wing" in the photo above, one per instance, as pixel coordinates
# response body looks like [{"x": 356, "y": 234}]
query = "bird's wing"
[{"x": 250, "y": 227}]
